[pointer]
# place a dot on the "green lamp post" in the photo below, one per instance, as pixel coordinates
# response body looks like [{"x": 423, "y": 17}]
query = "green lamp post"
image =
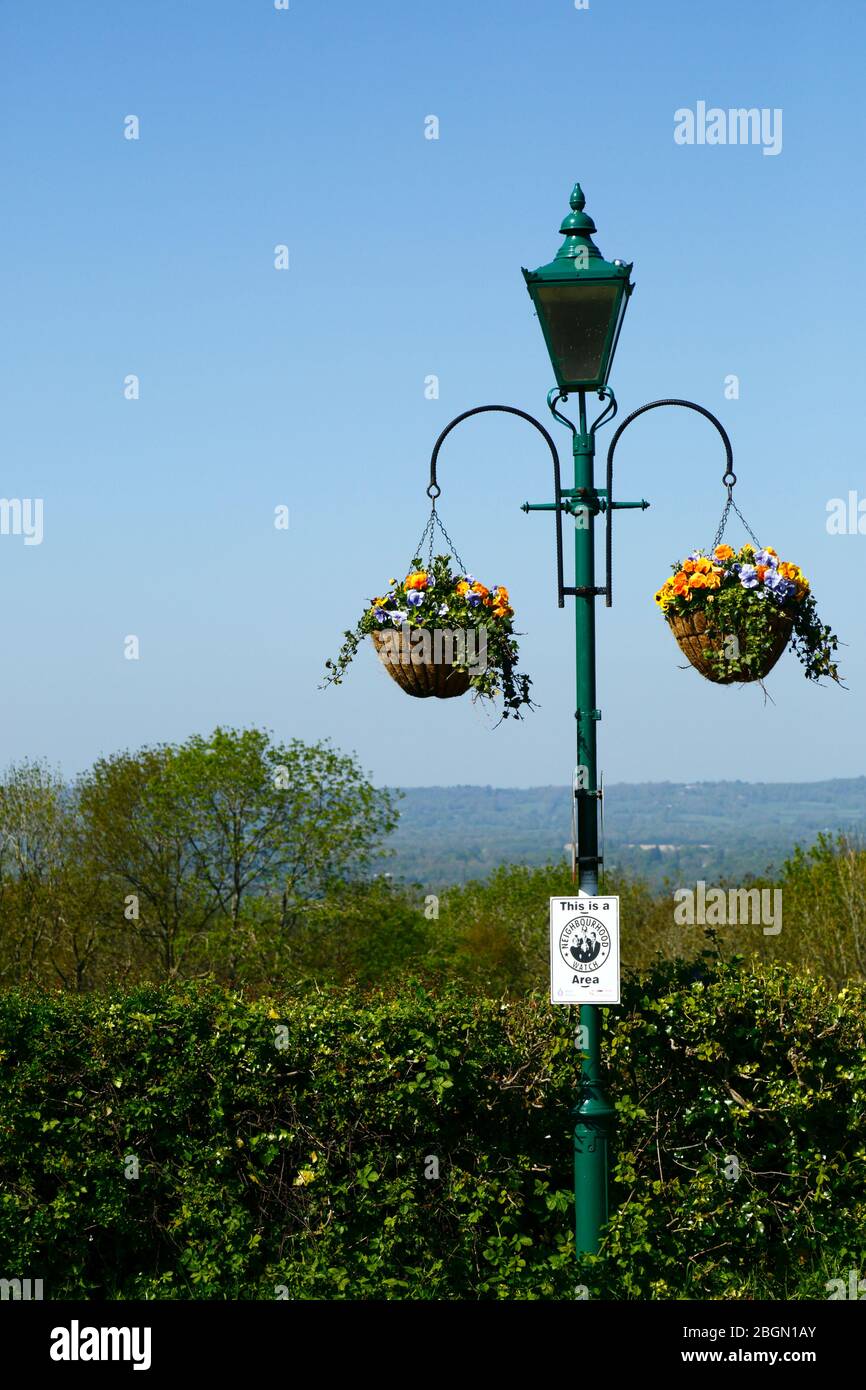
[{"x": 580, "y": 299}]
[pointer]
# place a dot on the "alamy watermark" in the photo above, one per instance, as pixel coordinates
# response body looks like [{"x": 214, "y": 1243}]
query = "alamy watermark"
[
  {"x": 854, "y": 1289},
  {"x": 737, "y": 126},
  {"x": 846, "y": 517},
  {"x": 421, "y": 646},
  {"x": 718, "y": 907},
  {"x": 26, "y": 1290},
  {"x": 22, "y": 516}
]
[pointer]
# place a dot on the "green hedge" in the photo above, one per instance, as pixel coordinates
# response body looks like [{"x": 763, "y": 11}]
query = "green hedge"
[{"x": 304, "y": 1169}]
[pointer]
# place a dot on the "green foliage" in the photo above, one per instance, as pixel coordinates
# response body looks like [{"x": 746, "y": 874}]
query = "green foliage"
[
  {"x": 179, "y": 859},
  {"x": 824, "y": 901},
  {"x": 284, "y": 1147}
]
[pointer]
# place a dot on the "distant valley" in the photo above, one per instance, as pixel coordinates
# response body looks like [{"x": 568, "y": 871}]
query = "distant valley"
[{"x": 655, "y": 830}]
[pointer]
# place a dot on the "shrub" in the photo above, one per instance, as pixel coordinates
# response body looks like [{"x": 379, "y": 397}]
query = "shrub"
[{"x": 286, "y": 1148}]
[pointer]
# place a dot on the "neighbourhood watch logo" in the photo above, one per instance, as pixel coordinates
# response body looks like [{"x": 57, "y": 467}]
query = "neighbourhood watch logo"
[{"x": 737, "y": 126}]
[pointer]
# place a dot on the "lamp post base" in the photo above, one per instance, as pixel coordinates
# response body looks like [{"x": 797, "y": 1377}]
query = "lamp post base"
[{"x": 594, "y": 1116}]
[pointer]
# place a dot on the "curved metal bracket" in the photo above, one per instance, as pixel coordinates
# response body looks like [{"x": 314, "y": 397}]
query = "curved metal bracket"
[
  {"x": 523, "y": 415},
  {"x": 609, "y": 411},
  {"x": 557, "y": 394},
  {"x": 728, "y": 479},
  {"x": 603, "y": 393}
]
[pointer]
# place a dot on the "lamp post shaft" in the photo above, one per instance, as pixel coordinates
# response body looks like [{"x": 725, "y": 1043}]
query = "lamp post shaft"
[{"x": 593, "y": 1113}]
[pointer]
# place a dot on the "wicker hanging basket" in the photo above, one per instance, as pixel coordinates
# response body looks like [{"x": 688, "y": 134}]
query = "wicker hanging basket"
[
  {"x": 691, "y": 631},
  {"x": 421, "y": 679}
]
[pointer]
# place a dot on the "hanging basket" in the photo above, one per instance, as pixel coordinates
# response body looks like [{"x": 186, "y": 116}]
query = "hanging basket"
[
  {"x": 691, "y": 632},
  {"x": 422, "y": 679}
]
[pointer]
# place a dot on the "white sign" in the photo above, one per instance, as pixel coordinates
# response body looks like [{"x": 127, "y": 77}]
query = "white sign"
[{"x": 584, "y": 949}]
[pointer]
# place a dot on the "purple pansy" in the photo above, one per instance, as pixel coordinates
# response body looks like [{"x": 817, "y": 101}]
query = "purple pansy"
[{"x": 780, "y": 588}]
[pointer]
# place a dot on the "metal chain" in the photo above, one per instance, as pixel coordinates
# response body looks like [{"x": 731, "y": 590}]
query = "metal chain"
[
  {"x": 419, "y": 549},
  {"x": 724, "y": 521},
  {"x": 433, "y": 521}
]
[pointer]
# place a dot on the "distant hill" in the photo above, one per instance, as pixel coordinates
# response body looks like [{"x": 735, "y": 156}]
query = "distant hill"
[{"x": 658, "y": 830}]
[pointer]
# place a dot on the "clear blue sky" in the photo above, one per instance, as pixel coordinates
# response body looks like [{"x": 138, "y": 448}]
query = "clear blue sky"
[{"x": 306, "y": 387}]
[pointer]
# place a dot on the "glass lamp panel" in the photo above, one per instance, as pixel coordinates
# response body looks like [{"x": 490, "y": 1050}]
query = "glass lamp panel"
[{"x": 578, "y": 319}]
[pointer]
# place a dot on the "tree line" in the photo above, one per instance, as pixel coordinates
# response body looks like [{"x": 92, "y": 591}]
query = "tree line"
[
  {"x": 179, "y": 860},
  {"x": 264, "y": 865}
]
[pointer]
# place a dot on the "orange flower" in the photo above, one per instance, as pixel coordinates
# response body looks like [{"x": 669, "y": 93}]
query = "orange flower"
[
  {"x": 680, "y": 582},
  {"x": 689, "y": 566},
  {"x": 723, "y": 552},
  {"x": 417, "y": 580},
  {"x": 697, "y": 581},
  {"x": 713, "y": 581},
  {"x": 480, "y": 589},
  {"x": 761, "y": 570},
  {"x": 789, "y": 571}
]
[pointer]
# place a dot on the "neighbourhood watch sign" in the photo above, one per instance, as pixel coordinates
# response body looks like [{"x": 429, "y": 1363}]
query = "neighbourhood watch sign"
[{"x": 584, "y": 950}]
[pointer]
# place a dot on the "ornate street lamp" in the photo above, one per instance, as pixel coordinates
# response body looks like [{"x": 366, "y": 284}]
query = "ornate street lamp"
[{"x": 580, "y": 299}]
